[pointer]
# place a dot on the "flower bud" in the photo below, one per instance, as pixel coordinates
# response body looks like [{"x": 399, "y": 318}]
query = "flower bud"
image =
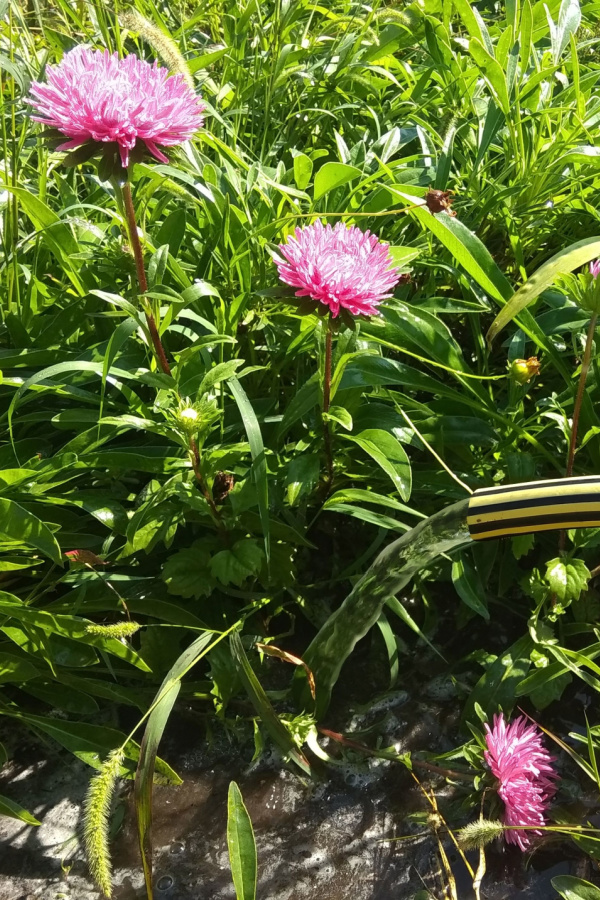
[
  {"x": 189, "y": 419},
  {"x": 522, "y": 371}
]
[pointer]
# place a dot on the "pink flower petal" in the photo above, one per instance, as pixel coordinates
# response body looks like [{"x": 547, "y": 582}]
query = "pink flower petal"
[
  {"x": 92, "y": 95},
  {"x": 517, "y": 757},
  {"x": 340, "y": 267}
]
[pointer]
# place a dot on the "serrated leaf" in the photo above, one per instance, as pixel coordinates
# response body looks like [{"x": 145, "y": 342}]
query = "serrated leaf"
[
  {"x": 234, "y": 566},
  {"x": 187, "y": 572},
  {"x": 567, "y": 578}
]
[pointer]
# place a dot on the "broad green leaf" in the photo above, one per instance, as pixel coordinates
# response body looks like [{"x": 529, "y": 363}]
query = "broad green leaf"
[
  {"x": 388, "y": 452},
  {"x": 465, "y": 246},
  {"x": 332, "y": 175},
  {"x": 302, "y": 474},
  {"x": 569, "y": 19},
  {"x": 468, "y": 586},
  {"x": 561, "y": 263},
  {"x": 91, "y": 743},
  {"x": 19, "y": 525},
  {"x": 54, "y": 233},
  {"x": 235, "y": 565},
  {"x": 492, "y": 72},
  {"x": 14, "y": 811},
  {"x": 567, "y": 578},
  {"x": 241, "y": 844},
  {"x": 187, "y": 572},
  {"x": 339, "y": 415},
  {"x": 571, "y": 888},
  {"x": 303, "y": 167},
  {"x": 496, "y": 688},
  {"x": 16, "y": 668}
]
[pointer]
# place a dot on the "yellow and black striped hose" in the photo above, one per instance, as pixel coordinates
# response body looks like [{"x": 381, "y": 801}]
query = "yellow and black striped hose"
[{"x": 534, "y": 506}]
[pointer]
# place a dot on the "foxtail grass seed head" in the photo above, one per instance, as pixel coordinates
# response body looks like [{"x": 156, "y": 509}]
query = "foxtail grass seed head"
[
  {"x": 341, "y": 267},
  {"x": 96, "y": 820},
  {"x": 117, "y": 630},
  {"x": 526, "y": 777},
  {"x": 478, "y": 834},
  {"x": 163, "y": 43},
  {"x": 93, "y": 97}
]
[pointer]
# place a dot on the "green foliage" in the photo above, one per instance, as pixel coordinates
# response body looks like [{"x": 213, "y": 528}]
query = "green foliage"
[
  {"x": 242, "y": 847},
  {"x": 141, "y": 509}
]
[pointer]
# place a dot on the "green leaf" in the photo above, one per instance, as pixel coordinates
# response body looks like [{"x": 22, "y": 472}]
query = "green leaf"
[
  {"x": 144, "y": 776},
  {"x": 259, "y": 461},
  {"x": 187, "y": 572},
  {"x": 14, "y": 811},
  {"x": 19, "y": 525},
  {"x": 91, "y": 743},
  {"x": 242, "y": 846},
  {"x": 569, "y": 19},
  {"x": 244, "y": 559},
  {"x": 340, "y": 415},
  {"x": 567, "y": 578},
  {"x": 388, "y": 452},
  {"x": 496, "y": 688},
  {"x": 221, "y": 372},
  {"x": 571, "y": 888},
  {"x": 16, "y": 668},
  {"x": 468, "y": 586},
  {"x": 561, "y": 263},
  {"x": 332, "y": 175},
  {"x": 464, "y": 246},
  {"x": 402, "y": 256},
  {"x": 302, "y": 474},
  {"x": 263, "y": 706},
  {"x": 303, "y": 167},
  {"x": 54, "y": 233},
  {"x": 492, "y": 72}
]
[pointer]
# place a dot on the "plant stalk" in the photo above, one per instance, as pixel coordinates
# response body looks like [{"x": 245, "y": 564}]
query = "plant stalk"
[
  {"x": 138, "y": 255},
  {"x": 585, "y": 367},
  {"x": 201, "y": 482},
  {"x": 327, "y": 400}
]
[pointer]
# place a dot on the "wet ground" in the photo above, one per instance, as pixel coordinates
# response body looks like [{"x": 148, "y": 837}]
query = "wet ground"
[{"x": 321, "y": 839}]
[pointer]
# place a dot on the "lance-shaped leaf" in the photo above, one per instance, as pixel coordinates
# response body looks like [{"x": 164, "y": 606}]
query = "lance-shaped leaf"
[{"x": 560, "y": 264}]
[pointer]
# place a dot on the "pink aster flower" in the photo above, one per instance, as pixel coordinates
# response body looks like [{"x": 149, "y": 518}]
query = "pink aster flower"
[
  {"x": 595, "y": 268},
  {"x": 341, "y": 267},
  {"x": 93, "y": 96},
  {"x": 523, "y": 767}
]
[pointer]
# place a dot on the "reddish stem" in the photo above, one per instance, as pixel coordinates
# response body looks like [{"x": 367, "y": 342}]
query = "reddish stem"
[
  {"x": 327, "y": 400},
  {"x": 418, "y": 763},
  {"x": 201, "y": 482},
  {"x": 585, "y": 367},
  {"x": 138, "y": 255}
]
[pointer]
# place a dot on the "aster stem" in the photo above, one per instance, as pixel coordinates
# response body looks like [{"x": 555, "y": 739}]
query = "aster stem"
[
  {"x": 585, "y": 367},
  {"x": 195, "y": 453},
  {"x": 327, "y": 399},
  {"x": 138, "y": 255}
]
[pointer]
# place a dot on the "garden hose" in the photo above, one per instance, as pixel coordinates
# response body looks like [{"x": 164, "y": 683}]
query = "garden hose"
[{"x": 534, "y": 506}]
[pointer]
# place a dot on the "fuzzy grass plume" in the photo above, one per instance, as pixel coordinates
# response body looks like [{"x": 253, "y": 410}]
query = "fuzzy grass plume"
[
  {"x": 477, "y": 834},
  {"x": 163, "y": 43},
  {"x": 116, "y": 630},
  {"x": 96, "y": 820}
]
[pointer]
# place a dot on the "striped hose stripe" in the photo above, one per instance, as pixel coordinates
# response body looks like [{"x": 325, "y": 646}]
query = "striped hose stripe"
[{"x": 534, "y": 506}]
